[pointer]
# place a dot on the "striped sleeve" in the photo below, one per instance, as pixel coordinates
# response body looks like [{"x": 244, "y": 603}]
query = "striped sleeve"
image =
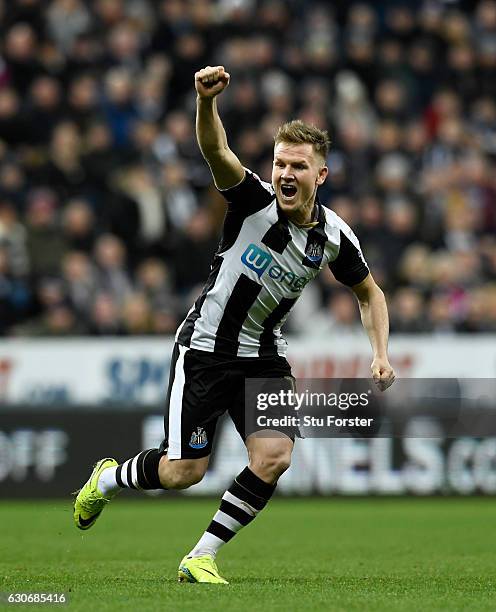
[
  {"x": 349, "y": 267},
  {"x": 250, "y": 195}
]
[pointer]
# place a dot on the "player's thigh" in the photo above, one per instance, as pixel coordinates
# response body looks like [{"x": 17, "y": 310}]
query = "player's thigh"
[{"x": 196, "y": 398}]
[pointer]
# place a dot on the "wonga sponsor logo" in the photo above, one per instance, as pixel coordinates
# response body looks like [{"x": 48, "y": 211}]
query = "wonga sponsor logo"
[
  {"x": 256, "y": 259},
  {"x": 259, "y": 261}
]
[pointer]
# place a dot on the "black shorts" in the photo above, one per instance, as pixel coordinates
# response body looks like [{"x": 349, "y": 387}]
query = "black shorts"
[{"x": 202, "y": 387}]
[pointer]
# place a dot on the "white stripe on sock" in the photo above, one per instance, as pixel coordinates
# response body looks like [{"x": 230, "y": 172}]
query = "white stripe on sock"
[
  {"x": 124, "y": 473},
  {"x": 227, "y": 521},
  {"x": 134, "y": 472},
  {"x": 240, "y": 503}
]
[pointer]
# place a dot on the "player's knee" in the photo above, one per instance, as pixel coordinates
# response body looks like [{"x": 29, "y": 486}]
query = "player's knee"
[
  {"x": 281, "y": 463},
  {"x": 272, "y": 464}
]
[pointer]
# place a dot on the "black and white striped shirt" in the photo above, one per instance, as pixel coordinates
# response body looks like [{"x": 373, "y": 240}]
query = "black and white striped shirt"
[{"x": 260, "y": 269}]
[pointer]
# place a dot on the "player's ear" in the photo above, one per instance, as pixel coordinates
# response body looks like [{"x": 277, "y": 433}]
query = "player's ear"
[{"x": 323, "y": 172}]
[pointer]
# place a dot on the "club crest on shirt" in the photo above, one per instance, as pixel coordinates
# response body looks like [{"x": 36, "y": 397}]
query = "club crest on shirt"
[
  {"x": 198, "y": 438},
  {"x": 314, "y": 251}
]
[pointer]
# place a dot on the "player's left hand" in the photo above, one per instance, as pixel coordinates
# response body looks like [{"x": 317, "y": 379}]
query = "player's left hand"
[{"x": 382, "y": 373}]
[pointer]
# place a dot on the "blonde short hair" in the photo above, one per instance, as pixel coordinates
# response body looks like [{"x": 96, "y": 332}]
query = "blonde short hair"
[{"x": 297, "y": 132}]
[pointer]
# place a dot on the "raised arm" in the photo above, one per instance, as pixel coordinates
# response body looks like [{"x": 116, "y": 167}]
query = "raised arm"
[
  {"x": 373, "y": 310},
  {"x": 226, "y": 168}
]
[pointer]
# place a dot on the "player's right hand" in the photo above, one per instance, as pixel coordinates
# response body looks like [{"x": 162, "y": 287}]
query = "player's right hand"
[{"x": 211, "y": 81}]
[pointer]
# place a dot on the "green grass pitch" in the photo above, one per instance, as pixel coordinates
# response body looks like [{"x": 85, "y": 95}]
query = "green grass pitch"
[{"x": 304, "y": 554}]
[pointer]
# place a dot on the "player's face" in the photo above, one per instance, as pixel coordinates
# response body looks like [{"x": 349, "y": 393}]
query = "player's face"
[{"x": 297, "y": 172}]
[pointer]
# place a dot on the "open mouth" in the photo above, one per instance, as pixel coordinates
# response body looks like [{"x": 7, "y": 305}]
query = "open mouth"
[{"x": 288, "y": 191}]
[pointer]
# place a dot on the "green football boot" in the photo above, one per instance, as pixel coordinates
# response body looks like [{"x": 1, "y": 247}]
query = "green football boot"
[
  {"x": 90, "y": 502},
  {"x": 200, "y": 569}
]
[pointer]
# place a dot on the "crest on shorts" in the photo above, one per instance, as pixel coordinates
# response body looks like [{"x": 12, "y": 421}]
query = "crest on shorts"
[{"x": 198, "y": 438}]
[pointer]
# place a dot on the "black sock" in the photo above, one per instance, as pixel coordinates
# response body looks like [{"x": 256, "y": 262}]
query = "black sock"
[{"x": 140, "y": 472}]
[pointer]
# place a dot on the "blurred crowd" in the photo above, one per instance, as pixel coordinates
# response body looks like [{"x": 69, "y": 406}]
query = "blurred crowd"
[{"x": 108, "y": 218}]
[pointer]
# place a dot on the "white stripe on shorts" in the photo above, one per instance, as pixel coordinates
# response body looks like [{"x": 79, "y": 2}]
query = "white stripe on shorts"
[{"x": 176, "y": 406}]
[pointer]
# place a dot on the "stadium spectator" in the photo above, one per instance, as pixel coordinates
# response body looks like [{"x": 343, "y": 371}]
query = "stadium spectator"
[
  {"x": 137, "y": 315},
  {"x": 105, "y": 319},
  {"x": 21, "y": 57},
  {"x": 66, "y": 20},
  {"x": 79, "y": 225},
  {"x": 153, "y": 281},
  {"x": 408, "y": 309},
  {"x": 13, "y": 236},
  {"x": 14, "y": 294},
  {"x": 339, "y": 317},
  {"x": 80, "y": 283},
  {"x": 112, "y": 275},
  {"x": 45, "y": 242}
]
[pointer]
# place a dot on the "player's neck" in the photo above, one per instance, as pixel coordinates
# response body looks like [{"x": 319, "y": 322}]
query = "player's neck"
[{"x": 304, "y": 215}]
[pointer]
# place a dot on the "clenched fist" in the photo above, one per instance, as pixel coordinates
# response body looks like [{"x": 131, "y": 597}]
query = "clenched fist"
[
  {"x": 382, "y": 373},
  {"x": 211, "y": 81}
]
